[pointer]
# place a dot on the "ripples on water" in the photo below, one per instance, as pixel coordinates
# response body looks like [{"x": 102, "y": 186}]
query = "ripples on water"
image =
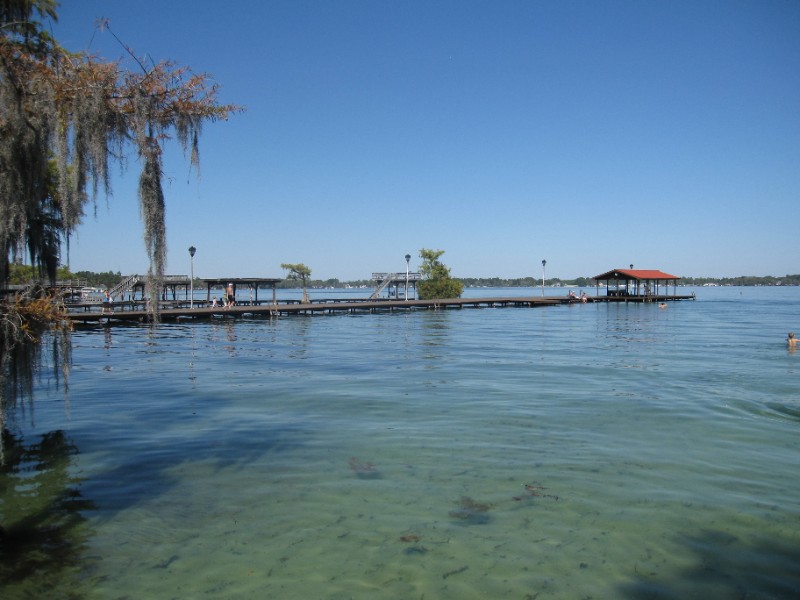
[{"x": 611, "y": 451}]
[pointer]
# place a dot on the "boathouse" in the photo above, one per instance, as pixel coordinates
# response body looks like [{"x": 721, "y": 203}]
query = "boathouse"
[{"x": 641, "y": 284}]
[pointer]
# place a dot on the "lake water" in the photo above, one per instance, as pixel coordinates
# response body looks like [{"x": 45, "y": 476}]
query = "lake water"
[{"x": 584, "y": 451}]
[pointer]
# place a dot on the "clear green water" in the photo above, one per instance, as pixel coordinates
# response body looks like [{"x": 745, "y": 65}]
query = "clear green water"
[{"x": 387, "y": 456}]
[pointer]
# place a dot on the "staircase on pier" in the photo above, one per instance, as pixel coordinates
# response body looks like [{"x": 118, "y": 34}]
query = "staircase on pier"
[
  {"x": 388, "y": 279},
  {"x": 126, "y": 285}
]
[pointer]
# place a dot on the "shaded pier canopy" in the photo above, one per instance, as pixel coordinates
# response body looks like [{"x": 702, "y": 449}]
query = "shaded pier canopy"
[
  {"x": 636, "y": 282},
  {"x": 250, "y": 283},
  {"x": 136, "y": 285}
]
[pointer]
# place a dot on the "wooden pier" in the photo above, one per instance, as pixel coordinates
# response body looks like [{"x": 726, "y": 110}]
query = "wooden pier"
[
  {"x": 617, "y": 286},
  {"x": 136, "y": 312}
]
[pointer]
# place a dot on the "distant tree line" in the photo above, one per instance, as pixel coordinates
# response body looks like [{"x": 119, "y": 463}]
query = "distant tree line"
[
  {"x": 578, "y": 282},
  {"x": 525, "y": 282},
  {"x": 21, "y": 274},
  {"x": 744, "y": 280},
  {"x": 24, "y": 274}
]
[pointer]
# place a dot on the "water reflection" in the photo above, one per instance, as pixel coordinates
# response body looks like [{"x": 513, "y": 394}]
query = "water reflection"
[
  {"x": 435, "y": 331},
  {"x": 300, "y": 344},
  {"x": 43, "y": 532}
]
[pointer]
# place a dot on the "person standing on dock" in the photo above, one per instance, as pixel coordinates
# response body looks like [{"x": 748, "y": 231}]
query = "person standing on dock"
[
  {"x": 106, "y": 302},
  {"x": 230, "y": 296}
]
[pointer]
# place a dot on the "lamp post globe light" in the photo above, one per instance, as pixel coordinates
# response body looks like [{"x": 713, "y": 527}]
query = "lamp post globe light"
[
  {"x": 408, "y": 260},
  {"x": 544, "y": 263},
  {"x": 192, "y": 250}
]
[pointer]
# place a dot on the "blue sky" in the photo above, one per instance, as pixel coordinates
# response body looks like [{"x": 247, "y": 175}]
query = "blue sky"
[{"x": 592, "y": 134}]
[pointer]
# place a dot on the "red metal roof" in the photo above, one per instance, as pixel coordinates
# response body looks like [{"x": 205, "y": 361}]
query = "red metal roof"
[{"x": 640, "y": 274}]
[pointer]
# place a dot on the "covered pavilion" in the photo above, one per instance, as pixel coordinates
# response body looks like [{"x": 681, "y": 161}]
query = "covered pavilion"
[
  {"x": 640, "y": 283},
  {"x": 250, "y": 283}
]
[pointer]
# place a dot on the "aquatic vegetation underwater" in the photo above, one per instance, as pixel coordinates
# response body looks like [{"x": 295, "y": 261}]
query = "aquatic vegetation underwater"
[
  {"x": 471, "y": 512},
  {"x": 534, "y": 490},
  {"x": 364, "y": 469}
]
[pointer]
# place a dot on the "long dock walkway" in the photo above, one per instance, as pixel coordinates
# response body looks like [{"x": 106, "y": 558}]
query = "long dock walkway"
[{"x": 91, "y": 314}]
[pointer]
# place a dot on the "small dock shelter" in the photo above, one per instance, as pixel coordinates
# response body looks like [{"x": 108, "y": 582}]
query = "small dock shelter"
[
  {"x": 642, "y": 284},
  {"x": 252, "y": 284}
]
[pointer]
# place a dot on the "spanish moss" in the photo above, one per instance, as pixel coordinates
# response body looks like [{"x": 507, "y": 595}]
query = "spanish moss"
[{"x": 65, "y": 118}]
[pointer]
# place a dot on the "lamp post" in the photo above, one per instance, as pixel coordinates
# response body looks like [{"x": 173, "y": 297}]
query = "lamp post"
[
  {"x": 544, "y": 262},
  {"x": 192, "y": 250},
  {"x": 408, "y": 260}
]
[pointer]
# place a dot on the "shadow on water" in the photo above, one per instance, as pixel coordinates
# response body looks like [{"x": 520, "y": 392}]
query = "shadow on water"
[
  {"x": 159, "y": 468},
  {"x": 42, "y": 530},
  {"x": 726, "y": 567}
]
